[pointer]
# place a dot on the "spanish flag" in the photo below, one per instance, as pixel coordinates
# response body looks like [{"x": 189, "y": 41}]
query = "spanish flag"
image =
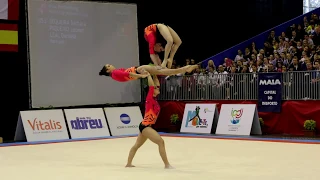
[
  {"x": 9, "y": 9},
  {"x": 9, "y": 37}
]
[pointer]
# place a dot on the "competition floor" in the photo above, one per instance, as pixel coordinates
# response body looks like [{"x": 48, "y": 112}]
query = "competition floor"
[{"x": 193, "y": 158}]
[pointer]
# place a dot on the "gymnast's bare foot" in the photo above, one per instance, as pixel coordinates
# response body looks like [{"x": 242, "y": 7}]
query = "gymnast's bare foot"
[
  {"x": 130, "y": 165},
  {"x": 168, "y": 166},
  {"x": 190, "y": 68}
]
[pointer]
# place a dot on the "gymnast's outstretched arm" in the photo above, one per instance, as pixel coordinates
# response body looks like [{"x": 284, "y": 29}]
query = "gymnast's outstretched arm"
[
  {"x": 150, "y": 81},
  {"x": 156, "y": 81}
]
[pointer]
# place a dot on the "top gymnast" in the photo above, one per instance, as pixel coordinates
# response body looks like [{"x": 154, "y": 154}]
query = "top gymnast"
[
  {"x": 134, "y": 73},
  {"x": 155, "y": 35}
]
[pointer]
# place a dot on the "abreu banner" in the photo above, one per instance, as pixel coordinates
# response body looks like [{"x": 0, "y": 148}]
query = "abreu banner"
[
  {"x": 87, "y": 123},
  {"x": 269, "y": 92}
]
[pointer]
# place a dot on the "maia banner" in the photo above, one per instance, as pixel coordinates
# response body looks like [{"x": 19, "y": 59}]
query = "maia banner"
[{"x": 270, "y": 92}]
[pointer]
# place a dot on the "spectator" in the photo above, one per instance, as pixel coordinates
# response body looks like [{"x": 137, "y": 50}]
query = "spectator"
[
  {"x": 309, "y": 40},
  {"x": 250, "y": 65},
  {"x": 271, "y": 36},
  {"x": 279, "y": 67},
  {"x": 284, "y": 36},
  {"x": 287, "y": 60},
  {"x": 247, "y": 54},
  {"x": 239, "y": 56},
  {"x": 259, "y": 65},
  {"x": 220, "y": 75},
  {"x": 254, "y": 69},
  {"x": 295, "y": 66},
  {"x": 227, "y": 65},
  {"x": 211, "y": 76},
  {"x": 245, "y": 69},
  {"x": 192, "y": 62},
  {"x": 271, "y": 68},
  {"x": 300, "y": 32},
  {"x": 239, "y": 66},
  {"x": 253, "y": 57},
  {"x": 311, "y": 28},
  {"x": 261, "y": 53},
  {"x": 268, "y": 49},
  {"x": 316, "y": 36},
  {"x": 284, "y": 69},
  {"x": 187, "y": 62},
  {"x": 316, "y": 66},
  {"x": 294, "y": 39},
  {"x": 210, "y": 65},
  {"x": 309, "y": 66},
  {"x": 265, "y": 62},
  {"x": 305, "y": 22},
  {"x": 299, "y": 46},
  {"x": 253, "y": 48}
]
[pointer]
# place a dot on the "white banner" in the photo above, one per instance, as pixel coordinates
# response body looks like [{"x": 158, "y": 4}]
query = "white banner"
[
  {"x": 86, "y": 123},
  {"x": 42, "y": 125},
  {"x": 238, "y": 119},
  {"x": 123, "y": 120},
  {"x": 198, "y": 118},
  {"x": 3, "y": 9}
]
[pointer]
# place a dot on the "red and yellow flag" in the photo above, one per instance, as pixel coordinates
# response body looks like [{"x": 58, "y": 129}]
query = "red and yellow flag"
[
  {"x": 9, "y": 9},
  {"x": 9, "y": 37}
]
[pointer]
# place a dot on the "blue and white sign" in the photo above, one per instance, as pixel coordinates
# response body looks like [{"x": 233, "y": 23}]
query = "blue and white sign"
[
  {"x": 87, "y": 123},
  {"x": 270, "y": 92},
  {"x": 123, "y": 120}
]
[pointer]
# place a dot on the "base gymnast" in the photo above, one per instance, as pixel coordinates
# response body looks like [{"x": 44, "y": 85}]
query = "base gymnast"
[
  {"x": 134, "y": 73},
  {"x": 145, "y": 127},
  {"x": 157, "y": 35}
]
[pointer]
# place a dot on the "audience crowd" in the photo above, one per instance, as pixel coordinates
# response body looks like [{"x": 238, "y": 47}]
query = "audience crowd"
[{"x": 296, "y": 49}]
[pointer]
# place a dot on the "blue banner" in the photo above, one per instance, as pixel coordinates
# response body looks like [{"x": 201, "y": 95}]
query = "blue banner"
[{"x": 269, "y": 92}]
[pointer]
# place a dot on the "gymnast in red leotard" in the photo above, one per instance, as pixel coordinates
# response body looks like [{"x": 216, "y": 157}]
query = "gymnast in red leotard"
[
  {"x": 145, "y": 127},
  {"x": 134, "y": 73},
  {"x": 157, "y": 35}
]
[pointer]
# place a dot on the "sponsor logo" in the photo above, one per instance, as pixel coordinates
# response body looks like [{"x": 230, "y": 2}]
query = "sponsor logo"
[
  {"x": 194, "y": 120},
  {"x": 81, "y": 123},
  {"x": 125, "y": 119},
  {"x": 236, "y": 116},
  {"x": 270, "y": 82},
  {"x": 41, "y": 126}
]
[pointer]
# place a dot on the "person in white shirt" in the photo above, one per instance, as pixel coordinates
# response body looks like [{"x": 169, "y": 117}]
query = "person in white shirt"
[{"x": 220, "y": 80}]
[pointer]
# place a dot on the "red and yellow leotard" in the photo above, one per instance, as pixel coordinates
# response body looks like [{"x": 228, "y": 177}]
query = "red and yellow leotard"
[
  {"x": 123, "y": 75},
  {"x": 152, "y": 109},
  {"x": 150, "y": 34}
]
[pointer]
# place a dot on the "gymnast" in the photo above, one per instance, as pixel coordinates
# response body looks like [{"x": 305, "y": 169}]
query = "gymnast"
[
  {"x": 134, "y": 73},
  {"x": 146, "y": 131},
  {"x": 157, "y": 35}
]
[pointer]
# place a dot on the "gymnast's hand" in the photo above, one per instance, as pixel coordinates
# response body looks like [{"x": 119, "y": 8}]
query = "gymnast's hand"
[{"x": 145, "y": 75}]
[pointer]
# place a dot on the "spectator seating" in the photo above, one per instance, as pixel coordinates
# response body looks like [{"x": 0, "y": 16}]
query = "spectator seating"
[{"x": 278, "y": 38}]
